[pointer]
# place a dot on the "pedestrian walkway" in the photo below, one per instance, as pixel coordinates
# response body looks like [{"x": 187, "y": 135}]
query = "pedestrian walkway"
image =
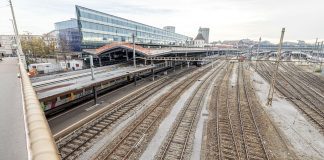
[{"x": 13, "y": 144}]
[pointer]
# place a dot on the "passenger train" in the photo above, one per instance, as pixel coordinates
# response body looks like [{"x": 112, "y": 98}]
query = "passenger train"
[{"x": 52, "y": 105}]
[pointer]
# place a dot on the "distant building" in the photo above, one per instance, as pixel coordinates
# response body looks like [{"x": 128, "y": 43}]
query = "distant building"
[
  {"x": 50, "y": 38},
  {"x": 199, "y": 41},
  {"x": 68, "y": 36},
  {"x": 169, "y": 28},
  {"x": 29, "y": 36},
  {"x": 7, "y": 45},
  {"x": 301, "y": 43},
  {"x": 93, "y": 29},
  {"x": 205, "y": 33}
]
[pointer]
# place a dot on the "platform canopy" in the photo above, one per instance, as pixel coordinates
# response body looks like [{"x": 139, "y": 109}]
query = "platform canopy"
[{"x": 146, "y": 52}]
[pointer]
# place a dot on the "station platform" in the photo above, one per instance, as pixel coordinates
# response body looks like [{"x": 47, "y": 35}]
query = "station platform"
[
  {"x": 13, "y": 143},
  {"x": 68, "y": 83}
]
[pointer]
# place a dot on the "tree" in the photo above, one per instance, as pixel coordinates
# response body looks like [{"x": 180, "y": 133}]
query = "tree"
[
  {"x": 36, "y": 47},
  {"x": 63, "y": 43}
]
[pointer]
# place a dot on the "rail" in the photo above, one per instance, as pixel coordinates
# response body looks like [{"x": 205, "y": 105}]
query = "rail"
[
  {"x": 142, "y": 126},
  {"x": 193, "y": 105},
  {"x": 41, "y": 143},
  {"x": 253, "y": 119},
  {"x": 312, "y": 113}
]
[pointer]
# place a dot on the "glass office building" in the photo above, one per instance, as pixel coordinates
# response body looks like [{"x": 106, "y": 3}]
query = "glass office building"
[
  {"x": 68, "y": 35},
  {"x": 97, "y": 29}
]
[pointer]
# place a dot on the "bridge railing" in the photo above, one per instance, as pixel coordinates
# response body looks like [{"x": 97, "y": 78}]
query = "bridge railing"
[{"x": 41, "y": 143}]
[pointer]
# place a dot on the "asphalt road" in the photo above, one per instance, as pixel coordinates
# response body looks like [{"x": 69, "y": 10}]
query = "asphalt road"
[{"x": 12, "y": 128}]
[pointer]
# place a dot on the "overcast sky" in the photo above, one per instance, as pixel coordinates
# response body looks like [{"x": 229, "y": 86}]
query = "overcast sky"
[{"x": 227, "y": 19}]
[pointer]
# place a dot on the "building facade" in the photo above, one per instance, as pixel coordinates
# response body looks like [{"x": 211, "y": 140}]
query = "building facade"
[
  {"x": 68, "y": 36},
  {"x": 205, "y": 33},
  {"x": 169, "y": 28},
  {"x": 50, "y": 38},
  {"x": 7, "y": 45},
  {"x": 199, "y": 41},
  {"x": 97, "y": 29}
]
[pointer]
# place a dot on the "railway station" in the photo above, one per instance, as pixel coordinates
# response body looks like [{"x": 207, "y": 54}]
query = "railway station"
[{"x": 127, "y": 90}]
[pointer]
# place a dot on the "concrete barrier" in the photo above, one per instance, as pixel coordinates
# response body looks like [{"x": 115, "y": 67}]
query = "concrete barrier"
[{"x": 41, "y": 143}]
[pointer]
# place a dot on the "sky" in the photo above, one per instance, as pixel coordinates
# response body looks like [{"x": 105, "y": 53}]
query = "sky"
[{"x": 227, "y": 19}]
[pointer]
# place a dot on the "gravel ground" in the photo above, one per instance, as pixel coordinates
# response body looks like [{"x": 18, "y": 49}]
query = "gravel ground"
[
  {"x": 198, "y": 141},
  {"x": 164, "y": 127},
  {"x": 101, "y": 143},
  {"x": 304, "y": 138}
]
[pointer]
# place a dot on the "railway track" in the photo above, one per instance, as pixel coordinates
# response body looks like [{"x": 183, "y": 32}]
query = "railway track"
[
  {"x": 296, "y": 96},
  {"x": 75, "y": 143},
  {"x": 213, "y": 143},
  {"x": 233, "y": 132},
  {"x": 178, "y": 140},
  {"x": 226, "y": 143},
  {"x": 124, "y": 145},
  {"x": 313, "y": 97},
  {"x": 308, "y": 78},
  {"x": 252, "y": 139},
  {"x": 315, "y": 78}
]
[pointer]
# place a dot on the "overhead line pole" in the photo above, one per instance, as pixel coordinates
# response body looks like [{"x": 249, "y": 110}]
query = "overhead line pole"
[
  {"x": 20, "y": 53},
  {"x": 315, "y": 55},
  {"x": 321, "y": 52},
  {"x": 274, "y": 75},
  {"x": 134, "y": 55},
  {"x": 319, "y": 49},
  {"x": 256, "y": 61},
  {"x": 314, "y": 49}
]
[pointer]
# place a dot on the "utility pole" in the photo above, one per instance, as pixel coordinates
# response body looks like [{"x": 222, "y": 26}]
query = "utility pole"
[
  {"x": 321, "y": 52},
  {"x": 91, "y": 66},
  {"x": 20, "y": 53},
  {"x": 274, "y": 75},
  {"x": 256, "y": 61},
  {"x": 187, "y": 51},
  {"x": 314, "y": 48},
  {"x": 134, "y": 56},
  {"x": 94, "y": 90},
  {"x": 319, "y": 49}
]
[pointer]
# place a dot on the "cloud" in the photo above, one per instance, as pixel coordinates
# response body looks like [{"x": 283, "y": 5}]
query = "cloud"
[{"x": 227, "y": 19}]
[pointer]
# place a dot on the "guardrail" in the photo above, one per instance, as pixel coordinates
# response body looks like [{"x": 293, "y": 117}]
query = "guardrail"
[{"x": 41, "y": 143}]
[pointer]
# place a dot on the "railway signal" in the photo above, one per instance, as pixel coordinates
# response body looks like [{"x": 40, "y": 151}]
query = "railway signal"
[{"x": 274, "y": 75}]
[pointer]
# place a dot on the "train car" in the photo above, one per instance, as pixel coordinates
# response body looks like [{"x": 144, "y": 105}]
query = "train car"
[
  {"x": 55, "y": 104},
  {"x": 241, "y": 58},
  {"x": 200, "y": 63}
]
